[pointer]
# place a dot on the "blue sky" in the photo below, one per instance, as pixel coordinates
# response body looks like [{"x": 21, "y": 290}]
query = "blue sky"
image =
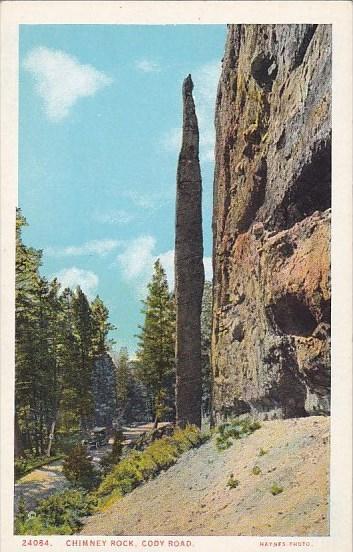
[{"x": 99, "y": 137}]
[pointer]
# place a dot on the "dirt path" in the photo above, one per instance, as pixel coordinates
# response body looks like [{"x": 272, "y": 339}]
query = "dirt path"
[
  {"x": 192, "y": 497},
  {"x": 42, "y": 482}
]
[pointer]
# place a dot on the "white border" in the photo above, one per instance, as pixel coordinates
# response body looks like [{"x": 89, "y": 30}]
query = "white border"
[{"x": 337, "y": 13}]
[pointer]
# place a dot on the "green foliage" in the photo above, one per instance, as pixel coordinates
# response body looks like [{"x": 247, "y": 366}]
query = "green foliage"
[
  {"x": 157, "y": 344},
  {"x": 21, "y": 510},
  {"x": 276, "y": 489},
  {"x": 234, "y": 429},
  {"x": 232, "y": 483},
  {"x": 78, "y": 468},
  {"x": 141, "y": 466},
  {"x": 122, "y": 380},
  {"x": 59, "y": 514},
  {"x": 113, "y": 457},
  {"x": 256, "y": 470},
  {"x": 59, "y": 333}
]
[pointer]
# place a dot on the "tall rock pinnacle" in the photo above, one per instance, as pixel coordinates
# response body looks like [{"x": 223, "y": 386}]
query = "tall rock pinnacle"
[{"x": 189, "y": 270}]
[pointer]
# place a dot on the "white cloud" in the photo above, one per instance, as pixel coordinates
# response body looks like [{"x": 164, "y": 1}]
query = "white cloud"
[
  {"x": 137, "y": 262},
  {"x": 143, "y": 201},
  {"x": 147, "y": 66},
  {"x": 73, "y": 277},
  {"x": 118, "y": 216},
  {"x": 205, "y": 80},
  {"x": 61, "y": 80},
  {"x": 94, "y": 247},
  {"x": 167, "y": 262},
  {"x": 171, "y": 140}
]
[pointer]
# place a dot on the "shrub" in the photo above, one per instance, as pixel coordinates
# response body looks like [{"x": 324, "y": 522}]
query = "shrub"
[
  {"x": 276, "y": 489},
  {"x": 59, "y": 514},
  {"x": 139, "y": 466},
  {"x": 256, "y": 470},
  {"x": 22, "y": 510},
  {"x": 113, "y": 457},
  {"x": 232, "y": 483},
  {"x": 235, "y": 429},
  {"x": 78, "y": 468},
  {"x": 262, "y": 452}
]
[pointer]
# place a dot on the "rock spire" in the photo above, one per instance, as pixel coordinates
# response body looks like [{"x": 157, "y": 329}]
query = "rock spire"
[{"x": 189, "y": 270}]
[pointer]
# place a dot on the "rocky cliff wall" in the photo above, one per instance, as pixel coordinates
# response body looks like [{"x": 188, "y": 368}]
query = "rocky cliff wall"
[{"x": 271, "y": 223}]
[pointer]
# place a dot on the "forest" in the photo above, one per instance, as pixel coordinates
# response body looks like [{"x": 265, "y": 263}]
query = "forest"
[{"x": 60, "y": 336}]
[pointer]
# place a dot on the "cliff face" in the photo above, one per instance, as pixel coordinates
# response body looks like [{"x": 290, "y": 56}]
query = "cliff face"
[{"x": 272, "y": 198}]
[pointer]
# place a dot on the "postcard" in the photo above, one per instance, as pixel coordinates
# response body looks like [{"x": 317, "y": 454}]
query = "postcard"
[{"x": 176, "y": 218}]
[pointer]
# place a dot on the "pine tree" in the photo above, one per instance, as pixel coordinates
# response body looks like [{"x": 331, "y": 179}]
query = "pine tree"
[
  {"x": 101, "y": 326},
  {"x": 157, "y": 344},
  {"x": 122, "y": 381},
  {"x": 84, "y": 334},
  {"x": 58, "y": 336}
]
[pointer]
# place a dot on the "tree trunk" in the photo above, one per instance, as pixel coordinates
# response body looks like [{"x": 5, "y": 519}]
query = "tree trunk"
[
  {"x": 155, "y": 423},
  {"x": 189, "y": 270},
  {"x": 51, "y": 437},
  {"x": 18, "y": 439}
]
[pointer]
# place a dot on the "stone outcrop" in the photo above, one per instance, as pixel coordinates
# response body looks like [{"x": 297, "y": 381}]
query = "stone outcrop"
[
  {"x": 271, "y": 222},
  {"x": 189, "y": 270},
  {"x": 104, "y": 391}
]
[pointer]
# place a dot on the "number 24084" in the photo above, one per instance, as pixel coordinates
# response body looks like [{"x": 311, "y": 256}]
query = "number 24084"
[{"x": 35, "y": 542}]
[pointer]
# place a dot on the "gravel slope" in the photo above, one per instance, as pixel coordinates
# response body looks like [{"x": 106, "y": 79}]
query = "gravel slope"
[{"x": 192, "y": 497}]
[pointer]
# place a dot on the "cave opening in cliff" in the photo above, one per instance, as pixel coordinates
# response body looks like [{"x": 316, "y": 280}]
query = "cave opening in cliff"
[
  {"x": 264, "y": 70},
  {"x": 292, "y": 316},
  {"x": 312, "y": 189}
]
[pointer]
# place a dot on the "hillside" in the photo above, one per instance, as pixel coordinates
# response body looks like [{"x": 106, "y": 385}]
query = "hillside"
[{"x": 192, "y": 497}]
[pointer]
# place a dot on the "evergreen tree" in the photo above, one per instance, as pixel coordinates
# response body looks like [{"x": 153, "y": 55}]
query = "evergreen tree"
[
  {"x": 58, "y": 336},
  {"x": 157, "y": 344},
  {"x": 27, "y": 337},
  {"x": 101, "y": 326},
  {"x": 78, "y": 468},
  {"x": 84, "y": 334},
  {"x": 122, "y": 381}
]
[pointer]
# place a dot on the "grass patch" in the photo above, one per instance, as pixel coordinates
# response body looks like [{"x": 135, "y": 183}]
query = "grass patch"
[
  {"x": 140, "y": 466},
  {"x": 232, "y": 483},
  {"x": 262, "y": 452},
  {"x": 276, "y": 489},
  {"x": 234, "y": 429},
  {"x": 60, "y": 514},
  {"x": 256, "y": 470}
]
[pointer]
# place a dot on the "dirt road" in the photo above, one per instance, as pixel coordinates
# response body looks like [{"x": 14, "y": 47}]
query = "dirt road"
[
  {"x": 44, "y": 481},
  {"x": 192, "y": 497}
]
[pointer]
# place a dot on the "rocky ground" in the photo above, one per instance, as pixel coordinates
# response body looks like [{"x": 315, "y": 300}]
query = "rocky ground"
[{"x": 192, "y": 497}]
